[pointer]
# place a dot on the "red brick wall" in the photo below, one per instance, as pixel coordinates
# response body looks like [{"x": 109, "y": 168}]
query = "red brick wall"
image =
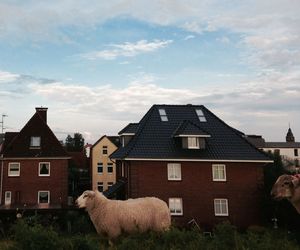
[
  {"x": 29, "y": 182},
  {"x": 243, "y": 189}
]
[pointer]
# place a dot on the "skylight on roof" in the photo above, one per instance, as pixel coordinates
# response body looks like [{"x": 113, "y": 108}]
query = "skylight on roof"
[
  {"x": 163, "y": 115},
  {"x": 200, "y": 115}
]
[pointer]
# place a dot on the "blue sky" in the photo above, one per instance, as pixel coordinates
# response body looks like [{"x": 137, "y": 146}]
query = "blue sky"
[{"x": 99, "y": 65}]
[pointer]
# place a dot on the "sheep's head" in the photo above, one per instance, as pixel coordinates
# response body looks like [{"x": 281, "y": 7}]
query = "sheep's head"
[
  {"x": 283, "y": 187},
  {"x": 83, "y": 200}
]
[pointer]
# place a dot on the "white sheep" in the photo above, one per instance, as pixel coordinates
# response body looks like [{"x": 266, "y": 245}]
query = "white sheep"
[
  {"x": 287, "y": 187},
  {"x": 112, "y": 217}
]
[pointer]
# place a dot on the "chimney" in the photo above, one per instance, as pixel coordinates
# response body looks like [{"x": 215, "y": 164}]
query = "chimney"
[{"x": 43, "y": 113}]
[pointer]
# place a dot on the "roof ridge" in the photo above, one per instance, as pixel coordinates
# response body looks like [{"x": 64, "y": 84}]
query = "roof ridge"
[{"x": 185, "y": 123}]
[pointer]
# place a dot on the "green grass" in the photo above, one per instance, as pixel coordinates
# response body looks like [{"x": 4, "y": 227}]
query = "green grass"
[{"x": 31, "y": 235}]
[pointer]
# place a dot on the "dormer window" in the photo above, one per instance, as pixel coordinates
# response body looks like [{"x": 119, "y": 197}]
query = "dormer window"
[
  {"x": 163, "y": 115},
  {"x": 200, "y": 115},
  {"x": 193, "y": 142},
  {"x": 35, "y": 141}
]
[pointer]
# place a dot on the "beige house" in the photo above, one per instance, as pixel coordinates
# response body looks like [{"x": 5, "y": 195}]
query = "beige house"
[{"x": 103, "y": 169}]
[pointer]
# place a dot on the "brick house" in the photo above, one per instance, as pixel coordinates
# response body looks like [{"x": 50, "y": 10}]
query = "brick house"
[
  {"x": 204, "y": 169},
  {"x": 34, "y": 167}
]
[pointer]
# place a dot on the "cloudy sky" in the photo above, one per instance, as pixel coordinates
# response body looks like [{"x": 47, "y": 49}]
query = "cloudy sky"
[{"x": 98, "y": 65}]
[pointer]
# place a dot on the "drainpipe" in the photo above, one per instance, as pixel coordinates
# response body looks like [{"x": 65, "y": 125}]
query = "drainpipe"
[{"x": 1, "y": 179}]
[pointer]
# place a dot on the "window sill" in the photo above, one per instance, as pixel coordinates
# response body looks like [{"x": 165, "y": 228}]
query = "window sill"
[{"x": 178, "y": 215}]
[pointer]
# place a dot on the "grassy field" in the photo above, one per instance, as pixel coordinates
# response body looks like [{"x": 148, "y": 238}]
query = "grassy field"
[{"x": 31, "y": 235}]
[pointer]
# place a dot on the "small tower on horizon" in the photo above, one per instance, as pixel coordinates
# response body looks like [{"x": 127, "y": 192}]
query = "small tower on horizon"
[{"x": 289, "y": 136}]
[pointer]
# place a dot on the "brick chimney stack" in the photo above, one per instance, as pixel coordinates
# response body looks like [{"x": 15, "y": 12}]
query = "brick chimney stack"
[{"x": 43, "y": 113}]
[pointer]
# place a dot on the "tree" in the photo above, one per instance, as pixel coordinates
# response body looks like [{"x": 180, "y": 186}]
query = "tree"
[{"x": 76, "y": 143}]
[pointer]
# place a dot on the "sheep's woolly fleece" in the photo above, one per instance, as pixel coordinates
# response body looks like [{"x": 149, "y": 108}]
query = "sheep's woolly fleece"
[{"x": 112, "y": 217}]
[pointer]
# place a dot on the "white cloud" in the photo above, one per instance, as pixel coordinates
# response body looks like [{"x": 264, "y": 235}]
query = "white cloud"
[
  {"x": 223, "y": 39},
  {"x": 127, "y": 49},
  {"x": 189, "y": 37},
  {"x": 7, "y": 77},
  {"x": 254, "y": 107}
]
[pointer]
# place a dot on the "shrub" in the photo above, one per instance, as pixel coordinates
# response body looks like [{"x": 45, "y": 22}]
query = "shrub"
[
  {"x": 34, "y": 236},
  {"x": 225, "y": 236},
  {"x": 88, "y": 242},
  {"x": 74, "y": 222},
  {"x": 172, "y": 239}
]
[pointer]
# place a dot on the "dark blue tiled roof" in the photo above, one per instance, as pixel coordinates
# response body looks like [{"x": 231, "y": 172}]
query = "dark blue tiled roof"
[
  {"x": 109, "y": 193},
  {"x": 131, "y": 128},
  {"x": 189, "y": 128},
  {"x": 154, "y": 138}
]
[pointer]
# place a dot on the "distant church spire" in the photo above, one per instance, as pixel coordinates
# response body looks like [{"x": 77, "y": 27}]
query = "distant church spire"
[{"x": 289, "y": 136}]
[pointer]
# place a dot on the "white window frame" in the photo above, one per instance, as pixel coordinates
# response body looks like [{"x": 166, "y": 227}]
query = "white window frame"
[
  {"x": 109, "y": 184},
  {"x": 98, "y": 169},
  {"x": 218, "y": 205},
  {"x": 100, "y": 184},
  {"x": 17, "y": 173},
  {"x": 47, "y": 191},
  {"x": 7, "y": 200},
  {"x": 163, "y": 115},
  {"x": 110, "y": 165},
  {"x": 193, "y": 142},
  {"x": 35, "y": 141},
  {"x": 40, "y": 167},
  {"x": 174, "y": 171},
  {"x": 217, "y": 168},
  {"x": 200, "y": 115},
  {"x": 176, "y": 204}
]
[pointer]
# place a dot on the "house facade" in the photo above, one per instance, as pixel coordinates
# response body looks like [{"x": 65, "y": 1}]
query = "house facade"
[
  {"x": 103, "y": 168},
  {"x": 204, "y": 169},
  {"x": 288, "y": 150},
  {"x": 34, "y": 167}
]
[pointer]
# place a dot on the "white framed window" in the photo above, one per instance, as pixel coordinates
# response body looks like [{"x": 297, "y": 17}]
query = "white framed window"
[
  {"x": 109, "y": 184},
  {"x": 221, "y": 207},
  {"x": 163, "y": 115},
  {"x": 100, "y": 168},
  {"x": 175, "y": 206},
  {"x": 35, "y": 141},
  {"x": 110, "y": 168},
  {"x": 174, "y": 171},
  {"x": 100, "y": 186},
  {"x": 14, "y": 169},
  {"x": 219, "y": 172},
  {"x": 200, "y": 115},
  {"x": 44, "y": 169},
  {"x": 7, "y": 198},
  {"x": 193, "y": 142},
  {"x": 43, "y": 197}
]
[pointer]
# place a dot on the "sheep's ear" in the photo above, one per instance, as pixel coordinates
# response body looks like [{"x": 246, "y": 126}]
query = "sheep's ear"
[
  {"x": 295, "y": 182},
  {"x": 89, "y": 194}
]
